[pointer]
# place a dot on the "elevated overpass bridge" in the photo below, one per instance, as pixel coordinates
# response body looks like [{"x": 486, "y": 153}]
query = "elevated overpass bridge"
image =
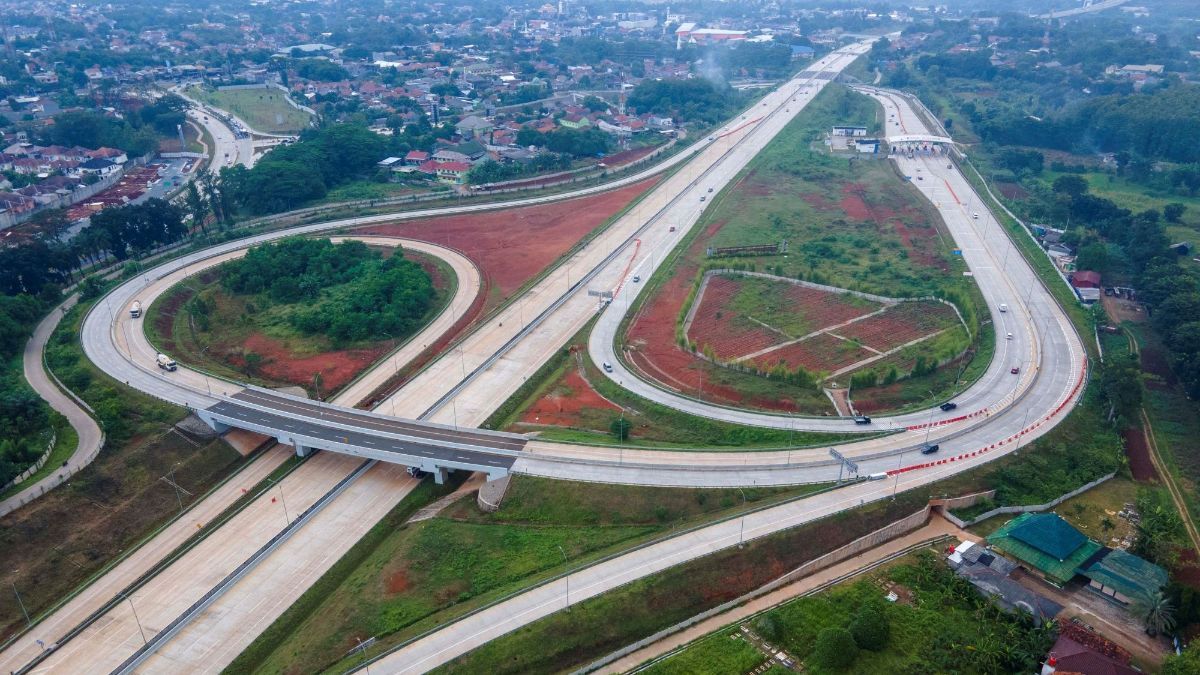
[{"x": 308, "y": 425}]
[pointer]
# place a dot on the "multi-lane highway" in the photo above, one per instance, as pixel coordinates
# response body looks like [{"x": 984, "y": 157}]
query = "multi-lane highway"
[
  {"x": 115, "y": 345},
  {"x": 464, "y": 386}
]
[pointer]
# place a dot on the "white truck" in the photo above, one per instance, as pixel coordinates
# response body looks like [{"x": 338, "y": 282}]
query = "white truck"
[
  {"x": 166, "y": 363},
  {"x": 135, "y": 310}
]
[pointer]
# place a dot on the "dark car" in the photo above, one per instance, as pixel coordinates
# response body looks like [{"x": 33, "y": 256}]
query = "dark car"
[
  {"x": 929, "y": 448},
  {"x": 862, "y": 419},
  {"x": 1015, "y": 370},
  {"x": 949, "y": 405}
]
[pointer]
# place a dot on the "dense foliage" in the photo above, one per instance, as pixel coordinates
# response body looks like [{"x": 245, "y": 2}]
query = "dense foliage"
[
  {"x": 346, "y": 291},
  {"x": 1149, "y": 124},
  {"x": 137, "y": 228},
  {"x": 695, "y": 100},
  {"x": 136, "y": 135},
  {"x": 22, "y": 414},
  {"x": 293, "y": 174}
]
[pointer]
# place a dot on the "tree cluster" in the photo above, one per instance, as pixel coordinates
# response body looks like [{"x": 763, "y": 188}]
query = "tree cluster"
[
  {"x": 293, "y": 174},
  {"x": 493, "y": 172},
  {"x": 346, "y": 291},
  {"x": 137, "y": 228},
  {"x": 588, "y": 142},
  {"x": 695, "y": 100}
]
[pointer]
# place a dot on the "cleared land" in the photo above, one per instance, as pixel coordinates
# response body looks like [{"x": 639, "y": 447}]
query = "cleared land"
[
  {"x": 241, "y": 339},
  {"x": 264, "y": 109},
  {"x": 851, "y": 224},
  {"x": 512, "y": 246},
  {"x": 772, "y": 324},
  {"x": 571, "y": 400}
]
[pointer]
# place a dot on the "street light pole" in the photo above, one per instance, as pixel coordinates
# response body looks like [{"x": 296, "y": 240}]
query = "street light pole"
[
  {"x": 135, "y": 618},
  {"x": 286, "y": 518},
  {"x": 566, "y": 577},
  {"x": 28, "y": 622},
  {"x": 178, "y": 497},
  {"x": 742, "y": 529}
]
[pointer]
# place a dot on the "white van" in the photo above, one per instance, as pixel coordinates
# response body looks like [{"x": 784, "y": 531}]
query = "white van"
[{"x": 1003, "y": 307}]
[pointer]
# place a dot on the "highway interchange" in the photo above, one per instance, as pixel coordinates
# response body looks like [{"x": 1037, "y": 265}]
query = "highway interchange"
[{"x": 461, "y": 389}]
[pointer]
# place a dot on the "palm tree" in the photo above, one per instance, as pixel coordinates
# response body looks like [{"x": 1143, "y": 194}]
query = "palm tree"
[{"x": 1157, "y": 612}]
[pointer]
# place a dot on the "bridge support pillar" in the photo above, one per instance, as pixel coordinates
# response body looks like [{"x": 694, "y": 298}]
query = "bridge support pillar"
[
  {"x": 302, "y": 450},
  {"x": 439, "y": 474},
  {"x": 217, "y": 425}
]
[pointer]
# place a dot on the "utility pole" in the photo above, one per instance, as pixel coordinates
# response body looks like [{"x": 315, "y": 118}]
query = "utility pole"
[{"x": 566, "y": 577}]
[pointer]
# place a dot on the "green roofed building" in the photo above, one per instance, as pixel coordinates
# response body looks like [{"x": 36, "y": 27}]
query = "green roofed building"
[
  {"x": 1124, "y": 577},
  {"x": 1052, "y": 547},
  {"x": 1045, "y": 543}
]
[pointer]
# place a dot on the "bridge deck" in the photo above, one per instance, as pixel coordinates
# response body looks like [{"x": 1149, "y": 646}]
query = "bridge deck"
[
  {"x": 369, "y": 422},
  {"x": 337, "y": 436}
]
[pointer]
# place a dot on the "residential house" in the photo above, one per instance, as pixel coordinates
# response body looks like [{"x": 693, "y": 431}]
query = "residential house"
[
  {"x": 473, "y": 126},
  {"x": 98, "y": 167}
]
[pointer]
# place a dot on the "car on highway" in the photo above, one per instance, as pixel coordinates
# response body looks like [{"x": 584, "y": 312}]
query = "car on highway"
[
  {"x": 672, "y": 229},
  {"x": 701, "y": 197},
  {"x": 862, "y": 419},
  {"x": 607, "y": 367},
  {"x": 636, "y": 278},
  {"x": 1008, "y": 336},
  {"x": 710, "y": 189},
  {"x": 930, "y": 448},
  {"x": 712, "y": 138},
  {"x": 920, "y": 177},
  {"x": 948, "y": 405},
  {"x": 416, "y": 472},
  {"x": 1003, "y": 307},
  {"x": 1016, "y": 370},
  {"x": 975, "y": 216}
]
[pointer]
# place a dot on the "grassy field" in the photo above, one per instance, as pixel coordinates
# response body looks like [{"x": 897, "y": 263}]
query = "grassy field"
[
  {"x": 941, "y": 626},
  {"x": 406, "y": 578},
  {"x": 855, "y": 224},
  {"x": 1135, "y": 197},
  {"x": 263, "y": 109},
  {"x": 246, "y": 343},
  {"x": 59, "y": 541},
  {"x": 599, "y": 625}
]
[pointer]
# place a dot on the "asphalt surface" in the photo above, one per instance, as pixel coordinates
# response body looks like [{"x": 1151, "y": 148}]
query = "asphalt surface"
[{"x": 91, "y": 437}]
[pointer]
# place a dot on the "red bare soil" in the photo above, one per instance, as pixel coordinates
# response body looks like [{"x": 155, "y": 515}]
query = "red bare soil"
[
  {"x": 336, "y": 368},
  {"x": 1138, "y": 453},
  {"x": 899, "y": 325},
  {"x": 628, "y": 156},
  {"x": 824, "y": 308},
  {"x": 562, "y": 404},
  {"x": 823, "y": 353},
  {"x": 511, "y": 246},
  {"x": 720, "y": 329},
  {"x": 397, "y": 582},
  {"x": 853, "y": 204}
]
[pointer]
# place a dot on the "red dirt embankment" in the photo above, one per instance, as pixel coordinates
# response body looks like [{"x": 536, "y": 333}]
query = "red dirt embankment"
[
  {"x": 511, "y": 246},
  {"x": 562, "y": 405}
]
